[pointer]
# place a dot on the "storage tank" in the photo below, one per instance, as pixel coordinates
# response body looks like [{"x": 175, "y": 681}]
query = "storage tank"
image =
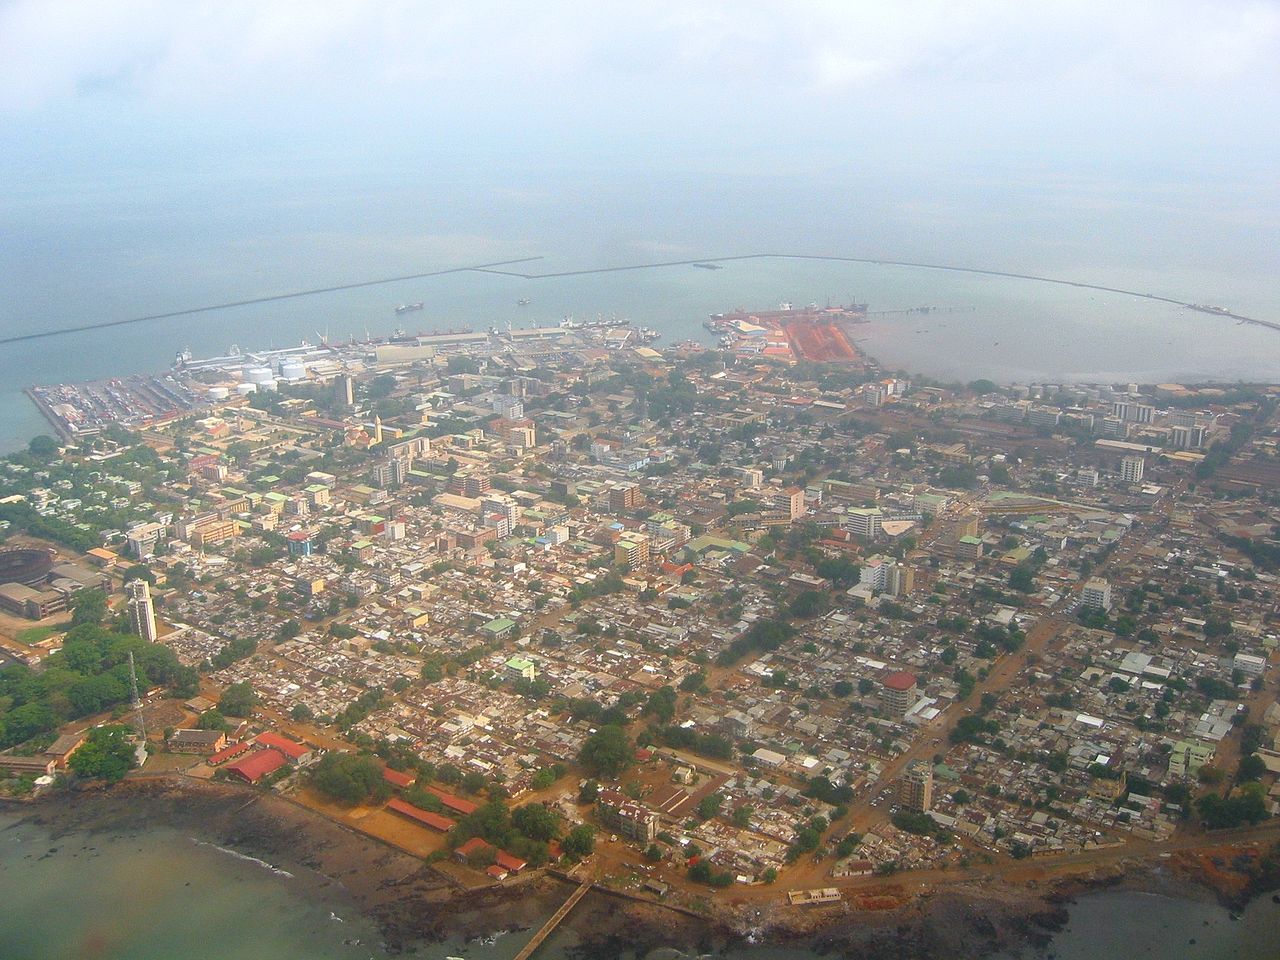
[
  {"x": 244, "y": 389},
  {"x": 219, "y": 393},
  {"x": 258, "y": 375},
  {"x": 292, "y": 370},
  {"x": 268, "y": 384}
]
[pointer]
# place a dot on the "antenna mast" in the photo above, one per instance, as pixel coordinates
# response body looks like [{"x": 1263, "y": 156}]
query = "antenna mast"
[{"x": 136, "y": 700}]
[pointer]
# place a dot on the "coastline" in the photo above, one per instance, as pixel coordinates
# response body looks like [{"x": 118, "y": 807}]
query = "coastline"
[{"x": 411, "y": 903}]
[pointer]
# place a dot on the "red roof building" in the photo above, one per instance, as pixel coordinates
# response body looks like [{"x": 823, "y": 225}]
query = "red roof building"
[
  {"x": 258, "y": 764},
  {"x": 902, "y": 680},
  {"x": 397, "y": 778},
  {"x": 295, "y": 751},
  {"x": 899, "y": 694},
  {"x": 456, "y": 804},
  {"x": 425, "y": 817},
  {"x": 226, "y": 753}
]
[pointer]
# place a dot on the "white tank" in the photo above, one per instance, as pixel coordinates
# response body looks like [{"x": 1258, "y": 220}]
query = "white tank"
[
  {"x": 219, "y": 393},
  {"x": 268, "y": 384},
  {"x": 259, "y": 375},
  {"x": 244, "y": 389},
  {"x": 292, "y": 370}
]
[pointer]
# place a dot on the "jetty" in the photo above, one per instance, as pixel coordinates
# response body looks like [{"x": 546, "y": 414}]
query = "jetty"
[{"x": 549, "y": 927}]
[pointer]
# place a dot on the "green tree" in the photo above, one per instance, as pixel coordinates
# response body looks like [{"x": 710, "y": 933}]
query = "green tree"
[
  {"x": 238, "y": 700},
  {"x": 106, "y": 754},
  {"x": 580, "y": 841},
  {"x": 536, "y": 821},
  {"x": 88, "y": 606},
  {"x": 350, "y": 778},
  {"x": 43, "y": 447},
  {"x": 211, "y": 720},
  {"x": 607, "y": 752}
]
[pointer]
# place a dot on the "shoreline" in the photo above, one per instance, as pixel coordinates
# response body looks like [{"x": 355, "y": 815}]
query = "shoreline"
[{"x": 412, "y": 903}]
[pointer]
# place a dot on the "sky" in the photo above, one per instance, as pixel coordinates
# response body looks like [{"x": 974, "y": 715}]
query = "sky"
[
  {"x": 691, "y": 72},
  {"x": 755, "y": 112}
]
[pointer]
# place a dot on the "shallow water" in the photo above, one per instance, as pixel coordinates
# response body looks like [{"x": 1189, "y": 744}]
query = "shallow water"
[{"x": 159, "y": 894}]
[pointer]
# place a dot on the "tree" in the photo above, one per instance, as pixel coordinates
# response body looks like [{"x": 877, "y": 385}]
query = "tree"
[
  {"x": 709, "y": 805},
  {"x": 43, "y": 447},
  {"x": 809, "y": 603},
  {"x": 139, "y": 571},
  {"x": 88, "y": 606},
  {"x": 1022, "y": 578},
  {"x": 238, "y": 700},
  {"x": 211, "y": 720},
  {"x": 536, "y": 822},
  {"x": 580, "y": 841},
  {"x": 607, "y": 752},
  {"x": 588, "y": 792},
  {"x": 106, "y": 754},
  {"x": 350, "y": 778}
]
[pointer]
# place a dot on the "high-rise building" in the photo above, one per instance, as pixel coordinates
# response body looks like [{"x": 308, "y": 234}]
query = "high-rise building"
[
  {"x": 898, "y": 692},
  {"x": 142, "y": 611},
  {"x": 1131, "y": 469},
  {"x": 864, "y": 521},
  {"x": 344, "y": 388},
  {"x": 1096, "y": 595},
  {"x": 915, "y": 786}
]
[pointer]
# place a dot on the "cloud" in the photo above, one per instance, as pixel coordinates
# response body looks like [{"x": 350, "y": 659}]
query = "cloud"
[{"x": 235, "y": 52}]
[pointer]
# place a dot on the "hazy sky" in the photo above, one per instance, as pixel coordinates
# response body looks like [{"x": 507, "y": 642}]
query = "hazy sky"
[
  {"x": 594, "y": 105},
  {"x": 692, "y": 70}
]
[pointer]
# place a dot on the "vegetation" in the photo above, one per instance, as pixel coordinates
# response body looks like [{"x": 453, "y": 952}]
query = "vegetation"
[
  {"x": 607, "y": 752},
  {"x": 350, "y": 778},
  {"x": 88, "y": 675},
  {"x": 106, "y": 754}
]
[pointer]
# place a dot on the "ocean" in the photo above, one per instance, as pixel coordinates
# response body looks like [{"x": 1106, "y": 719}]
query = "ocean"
[
  {"x": 158, "y": 894},
  {"x": 87, "y": 250}
]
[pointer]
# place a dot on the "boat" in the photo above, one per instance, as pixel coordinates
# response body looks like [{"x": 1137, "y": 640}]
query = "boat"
[
  {"x": 409, "y": 307},
  {"x": 524, "y": 301}
]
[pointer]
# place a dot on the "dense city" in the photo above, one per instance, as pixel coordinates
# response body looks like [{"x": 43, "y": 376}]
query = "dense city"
[{"x": 758, "y": 617}]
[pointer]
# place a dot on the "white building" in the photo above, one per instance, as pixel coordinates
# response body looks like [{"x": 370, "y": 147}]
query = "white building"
[
  {"x": 1131, "y": 469},
  {"x": 142, "y": 611},
  {"x": 1096, "y": 595}
]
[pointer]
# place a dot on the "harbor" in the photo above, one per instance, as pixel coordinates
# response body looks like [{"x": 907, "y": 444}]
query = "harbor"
[{"x": 196, "y": 384}]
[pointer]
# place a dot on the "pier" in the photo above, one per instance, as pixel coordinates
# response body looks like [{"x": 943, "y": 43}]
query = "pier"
[{"x": 549, "y": 927}]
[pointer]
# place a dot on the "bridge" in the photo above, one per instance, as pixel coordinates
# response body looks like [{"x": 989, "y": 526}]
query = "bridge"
[{"x": 549, "y": 927}]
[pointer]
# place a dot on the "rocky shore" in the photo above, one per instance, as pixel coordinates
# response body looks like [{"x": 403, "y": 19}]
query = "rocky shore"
[{"x": 411, "y": 902}]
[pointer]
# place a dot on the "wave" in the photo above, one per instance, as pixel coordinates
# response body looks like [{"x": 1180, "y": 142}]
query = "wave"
[{"x": 278, "y": 871}]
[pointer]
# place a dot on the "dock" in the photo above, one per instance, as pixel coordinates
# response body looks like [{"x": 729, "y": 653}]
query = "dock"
[{"x": 549, "y": 927}]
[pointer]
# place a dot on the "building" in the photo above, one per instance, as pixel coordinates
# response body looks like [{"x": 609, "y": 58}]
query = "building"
[
  {"x": 1188, "y": 437},
  {"x": 257, "y": 764},
  {"x": 625, "y": 497},
  {"x": 899, "y": 580},
  {"x": 864, "y": 521},
  {"x": 1133, "y": 412},
  {"x": 790, "y": 501},
  {"x": 142, "y": 611},
  {"x": 632, "y": 553},
  {"x": 969, "y": 548},
  {"x": 344, "y": 389},
  {"x": 1096, "y": 595},
  {"x": 628, "y": 817},
  {"x": 1131, "y": 469},
  {"x": 915, "y": 786},
  {"x": 197, "y": 741},
  {"x": 898, "y": 692}
]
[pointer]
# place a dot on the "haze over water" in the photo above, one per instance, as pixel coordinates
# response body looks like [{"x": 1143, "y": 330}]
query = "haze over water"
[{"x": 159, "y": 156}]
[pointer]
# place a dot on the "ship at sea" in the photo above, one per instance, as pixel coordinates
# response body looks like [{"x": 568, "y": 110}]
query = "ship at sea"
[{"x": 408, "y": 307}]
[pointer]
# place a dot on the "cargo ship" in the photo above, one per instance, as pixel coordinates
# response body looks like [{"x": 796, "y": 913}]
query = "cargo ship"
[{"x": 408, "y": 307}]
